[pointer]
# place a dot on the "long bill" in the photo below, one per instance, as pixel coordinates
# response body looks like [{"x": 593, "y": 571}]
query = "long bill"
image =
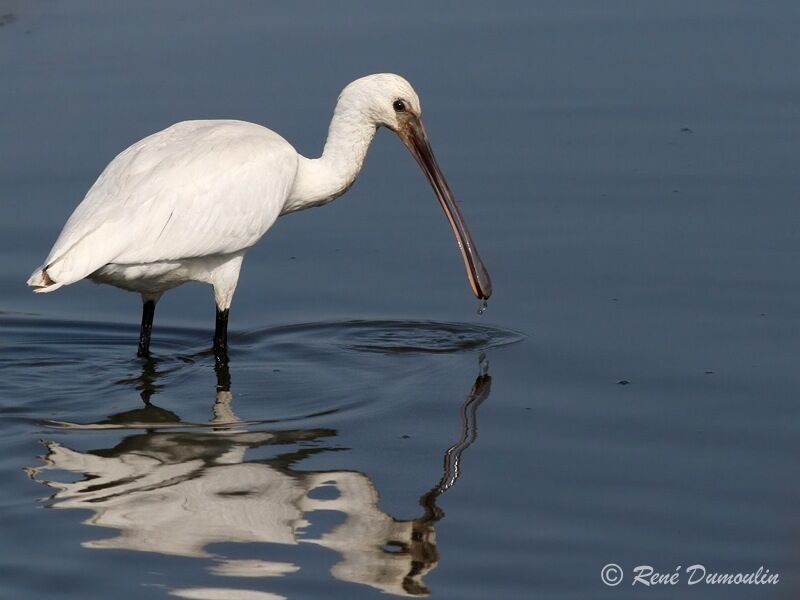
[{"x": 415, "y": 138}]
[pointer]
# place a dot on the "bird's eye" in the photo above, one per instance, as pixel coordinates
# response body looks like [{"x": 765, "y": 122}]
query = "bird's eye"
[{"x": 399, "y": 105}]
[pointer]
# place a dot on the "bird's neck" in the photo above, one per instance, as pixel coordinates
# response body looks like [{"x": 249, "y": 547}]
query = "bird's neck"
[{"x": 320, "y": 180}]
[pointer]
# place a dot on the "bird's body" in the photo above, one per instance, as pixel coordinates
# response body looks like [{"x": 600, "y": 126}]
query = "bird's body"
[
  {"x": 179, "y": 205},
  {"x": 186, "y": 203}
]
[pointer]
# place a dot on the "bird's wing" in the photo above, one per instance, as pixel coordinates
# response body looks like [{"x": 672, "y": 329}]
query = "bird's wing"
[{"x": 197, "y": 188}]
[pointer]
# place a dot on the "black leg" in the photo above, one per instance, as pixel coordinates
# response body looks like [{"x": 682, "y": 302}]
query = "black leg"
[
  {"x": 221, "y": 336},
  {"x": 148, "y": 310},
  {"x": 223, "y": 373}
]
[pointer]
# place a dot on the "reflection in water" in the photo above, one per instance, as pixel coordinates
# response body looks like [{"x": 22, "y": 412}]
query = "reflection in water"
[{"x": 178, "y": 492}]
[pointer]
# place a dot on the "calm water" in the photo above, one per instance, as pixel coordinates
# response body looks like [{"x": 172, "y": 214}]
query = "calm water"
[{"x": 629, "y": 171}]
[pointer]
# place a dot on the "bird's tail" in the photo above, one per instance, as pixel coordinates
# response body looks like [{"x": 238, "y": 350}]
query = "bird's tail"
[{"x": 41, "y": 282}]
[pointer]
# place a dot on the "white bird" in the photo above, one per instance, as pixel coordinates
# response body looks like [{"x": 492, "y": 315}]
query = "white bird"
[{"x": 186, "y": 203}]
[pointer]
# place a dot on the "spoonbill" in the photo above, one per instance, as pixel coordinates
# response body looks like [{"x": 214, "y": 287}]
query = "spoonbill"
[{"x": 186, "y": 203}]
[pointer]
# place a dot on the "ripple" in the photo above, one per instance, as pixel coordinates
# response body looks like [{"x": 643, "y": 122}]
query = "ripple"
[
  {"x": 393, "y": 336},
  {"x": 33, "y": 331},
  {"x": 85, "y": 375},
  {"x": 374, "y": 336},
  {"x": 424, "y": 336}
]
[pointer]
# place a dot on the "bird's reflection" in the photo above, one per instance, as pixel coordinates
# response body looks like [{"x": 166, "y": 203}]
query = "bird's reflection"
[{"x": 179, "y": 492}]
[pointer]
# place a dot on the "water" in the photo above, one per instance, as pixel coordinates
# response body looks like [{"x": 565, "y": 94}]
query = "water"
[{"x": 629, "y": 174}]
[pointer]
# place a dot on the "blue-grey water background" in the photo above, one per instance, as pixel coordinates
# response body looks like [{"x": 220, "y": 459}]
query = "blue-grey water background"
[{"x": 629, "y": 172}]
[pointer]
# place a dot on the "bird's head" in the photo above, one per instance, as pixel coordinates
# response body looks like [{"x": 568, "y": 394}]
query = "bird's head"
[
  {"x": 385, "y": 99},
  {"x": 388, "y": 100}
]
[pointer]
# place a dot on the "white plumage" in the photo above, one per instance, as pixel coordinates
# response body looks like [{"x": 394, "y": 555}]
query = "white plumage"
[
  {"x": 186, "y": 203},
  {"x": 197, "y": 189}
]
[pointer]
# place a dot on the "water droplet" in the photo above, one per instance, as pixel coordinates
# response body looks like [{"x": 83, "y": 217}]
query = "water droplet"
[
  {"x": 483, "y": 364},
  {"x": 482, "y": 307}
]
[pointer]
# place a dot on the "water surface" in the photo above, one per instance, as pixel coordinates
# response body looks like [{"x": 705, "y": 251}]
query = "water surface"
[{"x": 629, "y": 173}]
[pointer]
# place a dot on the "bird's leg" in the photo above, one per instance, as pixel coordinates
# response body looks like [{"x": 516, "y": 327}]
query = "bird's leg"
[
  {"x": 148, "y": 310},
  {"x": 224, "y": 277},
  {"x": 221, "y": 336},
  {"x": 223, "y": 376}
]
